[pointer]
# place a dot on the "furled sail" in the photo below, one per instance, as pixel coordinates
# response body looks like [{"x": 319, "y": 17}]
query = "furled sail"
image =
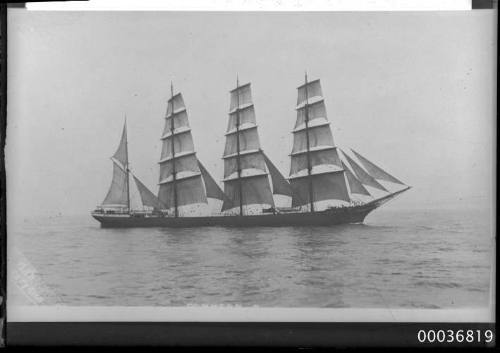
[
  {"x": 147, "y": 197},
  {"x": 117, "y": 195},
  {"x": 180, "y": 181},
  {"x": 375, "y": 171},
  {"x": 245, "y": 176},
  {"x": 363, "y": 176},
  {"x": 212, "y": 189},
  {"x": 280, "y": 185},
  {"x": 316, "y": 171}
]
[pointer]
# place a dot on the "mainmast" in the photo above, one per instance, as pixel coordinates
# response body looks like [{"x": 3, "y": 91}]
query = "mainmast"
[
  {"x": 308, "y": 149},
  {"x": 238, "y": 162},
  {"x": 172, "y": 128},
  {"x": 246, "y": 181}
]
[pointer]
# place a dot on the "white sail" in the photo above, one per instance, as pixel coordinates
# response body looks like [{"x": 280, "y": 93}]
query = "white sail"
[
  {"x": 247, "y": 139},
  {"x": 182, "y": 144},
  {"x": 329, "y": 186},
  {"x": 322, "y": 157},
  {"x": 180, "y": 120},
  {"x": 117, "y": 195},
  {"x": 255, "y": 190},
  {"x": 181, "y": 184},
  {"x": 309, "y": 93},
  {"x": 121, "y": 154},
  {"x": 316, "y": 115},
  {"x": 241, "y": 97},
  {"x": 253, "y": 161},
  {"x": 147, "y": 197},
  {"x": 363, "y": 176},
  {"x": 246, "y": 117},
  {"x": 316, "y": 171},
  {"x": 246, "y": 182},
  {"x": 375, "y": 171}
]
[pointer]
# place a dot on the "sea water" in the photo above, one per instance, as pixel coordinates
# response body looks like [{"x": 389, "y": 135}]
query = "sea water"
[{"x": 398, "y": 259}]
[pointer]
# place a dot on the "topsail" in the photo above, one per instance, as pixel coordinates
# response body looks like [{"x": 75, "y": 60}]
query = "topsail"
[
  {"x": 316, "y": 171},
  {"x": 180, "y": 177},
  {"x": 245, "y": 177}
]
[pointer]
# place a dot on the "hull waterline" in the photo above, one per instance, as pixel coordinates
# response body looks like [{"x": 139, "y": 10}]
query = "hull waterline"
[{"x": 344, "y": 215}]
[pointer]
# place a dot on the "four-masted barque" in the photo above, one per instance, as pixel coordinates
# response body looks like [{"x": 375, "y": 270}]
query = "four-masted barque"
[{"x": 325, "y": 185}]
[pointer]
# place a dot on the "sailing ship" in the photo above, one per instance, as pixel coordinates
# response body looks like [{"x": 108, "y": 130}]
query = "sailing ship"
[{"x": 325, "y": 186}]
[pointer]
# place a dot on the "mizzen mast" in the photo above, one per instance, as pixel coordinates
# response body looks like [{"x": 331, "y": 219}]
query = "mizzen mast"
[{"x": 118, "y": 194}]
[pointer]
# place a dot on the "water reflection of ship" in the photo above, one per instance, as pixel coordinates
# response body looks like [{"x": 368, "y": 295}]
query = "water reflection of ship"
[{"x": 326, "y": 185}]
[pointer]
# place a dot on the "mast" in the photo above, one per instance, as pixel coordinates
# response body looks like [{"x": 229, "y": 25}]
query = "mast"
[
  {"x": 174, "y": 177},
  {"x": 316, "y": 174},
  {"x": 127, "y": 170},
  {"x": 308, "y": 149},
  {"x": 238, "y": 162},
  {"x": 246, "y": 181},
  {"x": 118, "y": 194}
]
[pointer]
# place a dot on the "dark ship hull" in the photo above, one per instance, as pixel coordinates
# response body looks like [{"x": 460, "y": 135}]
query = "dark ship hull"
[{"x": 333, "y": 216}]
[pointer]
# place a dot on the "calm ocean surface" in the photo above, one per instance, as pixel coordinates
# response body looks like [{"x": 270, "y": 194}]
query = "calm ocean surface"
[{"x": 405, "y": 259}]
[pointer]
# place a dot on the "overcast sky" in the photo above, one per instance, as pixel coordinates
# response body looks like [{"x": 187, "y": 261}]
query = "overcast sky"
[{"x": 413, "y": 92}]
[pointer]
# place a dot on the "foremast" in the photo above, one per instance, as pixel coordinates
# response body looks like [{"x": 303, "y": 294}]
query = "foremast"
[{"x": 316, "y": 171}]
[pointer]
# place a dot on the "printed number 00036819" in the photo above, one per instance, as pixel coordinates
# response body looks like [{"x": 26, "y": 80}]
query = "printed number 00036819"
[{"x": 459, "y": 336}]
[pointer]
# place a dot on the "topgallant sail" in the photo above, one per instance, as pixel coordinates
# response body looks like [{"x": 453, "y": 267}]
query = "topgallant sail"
[{"x": 326, "y": 185}]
